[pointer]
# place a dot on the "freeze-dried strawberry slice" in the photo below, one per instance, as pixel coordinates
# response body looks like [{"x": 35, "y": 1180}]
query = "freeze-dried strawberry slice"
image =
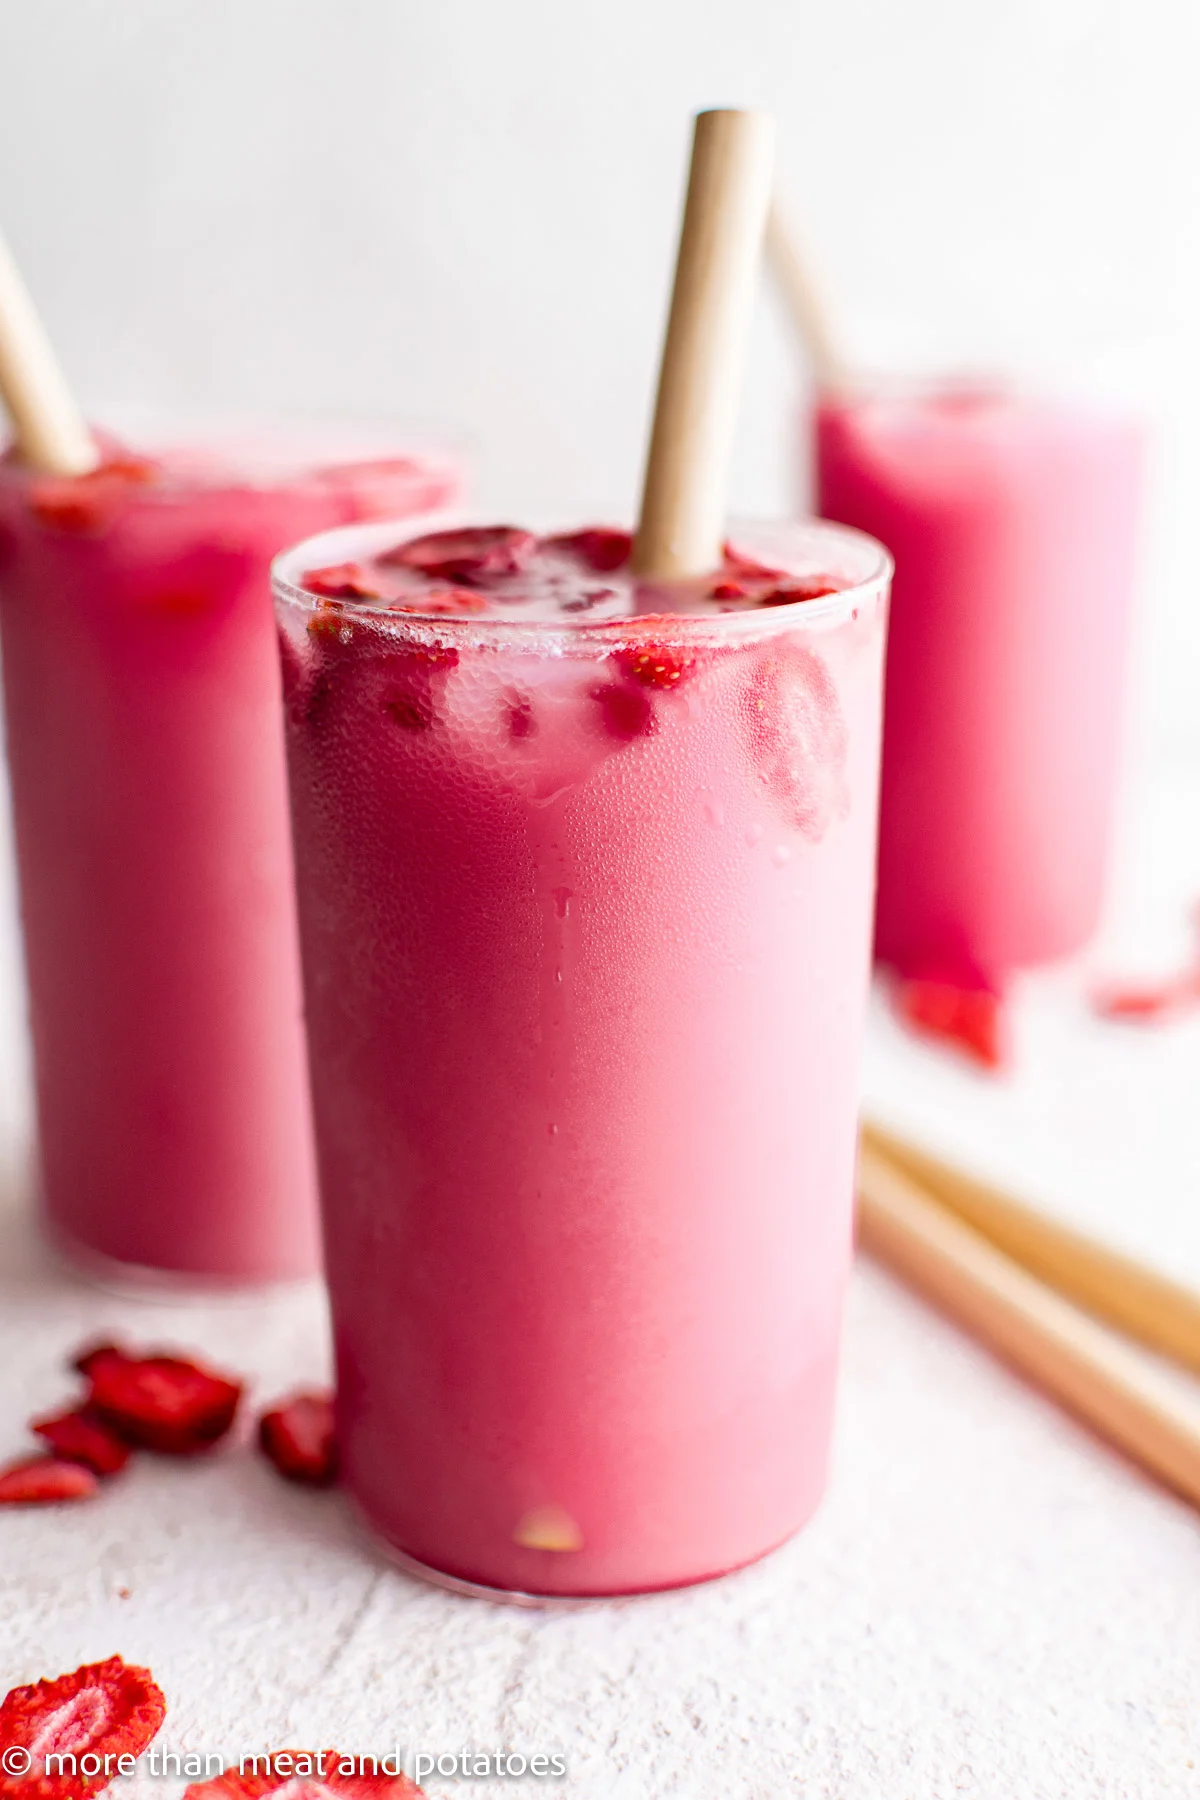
[
  {"x": 476, "y": 553},
  {"x": 972, "y": 1019},
  {"x": 341, "y": 581},
  {"x": 626, "y": 712},
  {"x": 798, "y": 587},
  {"x": 306, "y": 1775},
  {"x": 298, "y": 1437},
  {"x": 654, "y": 665},
  {"x": 81, "y": 1436},
  {"x": 601, "y": 547},
  {"x": 92, "y": 1718},
  {"x": 442, "y": 602},
  {"x": 163, "y": 1403},
  {"x": 329, "y": 621},
  {"x": 40, "y": 1480},
  {"x": 797, "y": 737},
  {"x": 88, "y": 503}
]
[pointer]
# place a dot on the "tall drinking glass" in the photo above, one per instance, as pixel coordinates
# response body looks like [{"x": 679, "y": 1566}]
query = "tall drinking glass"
[
  {"x": 1013, "y": 522},
  {"x": 146, "y": 756},
  {"x": 585, "y": 908}
]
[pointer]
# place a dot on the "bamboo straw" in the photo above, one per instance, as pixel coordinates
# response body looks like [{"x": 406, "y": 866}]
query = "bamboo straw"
[
  {"x": 50, "y": 433},
  {"x": 1144, "y": 1305},
  {"x": 806, "y": 307},
  {"x": 683, "y": 496},
  {"x": 1096, "y": 1376}
]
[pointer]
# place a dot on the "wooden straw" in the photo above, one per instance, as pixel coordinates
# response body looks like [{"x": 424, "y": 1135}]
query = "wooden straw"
[
  {"x": 1146, "y": 1306},
  {"x": 805, "y": 306},
  {"x": 683, "y": 496},
  {"x": 1097, "y": 1377},
  {"x": 50, "y": 432}
]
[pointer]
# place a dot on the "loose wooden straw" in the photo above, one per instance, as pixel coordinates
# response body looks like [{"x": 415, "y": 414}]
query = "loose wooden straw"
[
  {"x": 805, "y": 306},
  {"x": 50, "y": 432},
  {"x": 1144, "y": 1305},
  {"x": 683, "y": 496},
  {"x": 1096, "y": 1376}
]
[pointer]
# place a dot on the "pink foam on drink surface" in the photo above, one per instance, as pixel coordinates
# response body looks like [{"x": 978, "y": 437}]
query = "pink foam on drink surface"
[
  {"x": 1012, "y": 524},
  {"x": 584, "y": 887},
  {"x": 142, "y": 702}
]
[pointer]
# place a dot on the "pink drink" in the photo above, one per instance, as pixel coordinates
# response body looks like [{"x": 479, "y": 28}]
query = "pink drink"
[
  {"x": 585, "y": 916},
  {"x": 1012, "y": 523},
  {"x": 142, "y": 699}
]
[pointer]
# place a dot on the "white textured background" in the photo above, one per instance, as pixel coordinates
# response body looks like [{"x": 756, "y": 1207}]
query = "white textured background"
[{"x": 461, "y": 215}]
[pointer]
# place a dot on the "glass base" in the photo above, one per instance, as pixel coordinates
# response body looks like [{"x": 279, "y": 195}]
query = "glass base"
[
  {"x": 476, "y": 1590},
  {"x": 142, "y": 1281}
]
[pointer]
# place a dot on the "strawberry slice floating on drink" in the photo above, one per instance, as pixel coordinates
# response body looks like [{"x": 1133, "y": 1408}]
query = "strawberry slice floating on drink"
[{"x": 478, "y": 553}]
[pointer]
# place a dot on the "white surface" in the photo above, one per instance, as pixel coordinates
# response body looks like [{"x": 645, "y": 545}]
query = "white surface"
[
  {"x": 465, "y": 213},
  {"x": 989, "y": 1603}
]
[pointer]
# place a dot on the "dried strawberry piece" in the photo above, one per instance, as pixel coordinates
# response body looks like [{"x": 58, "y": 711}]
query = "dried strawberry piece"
[
  {"x": 654, "y": 665},
  {"x": 440, "y": 602},
  {"x": 40, "y": 1480},
  {"x": 298, "y": 1437},
  {"x": 749, "y": 566},
  {"x": 799, "y": 587},
  {"x": 601, "y": 547},
  {"x": 329, "y": 621},
  {"x": 626, "y": 711},
  {"x": 306, "y": 1775},
  {"x": 88, "y": 503},
  {"x": 973, "y": 1019},
  {"x": 104, "y": 1711},
  {"x": 476, "y": 553},
  {"x": 81, "y": 1436},
  {"x": 341, "y": 581},
  {"x": 163, "y": 1403}
]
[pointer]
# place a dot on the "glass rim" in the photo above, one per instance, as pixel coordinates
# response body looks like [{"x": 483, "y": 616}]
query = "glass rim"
[{"x": 328, "y": 547}]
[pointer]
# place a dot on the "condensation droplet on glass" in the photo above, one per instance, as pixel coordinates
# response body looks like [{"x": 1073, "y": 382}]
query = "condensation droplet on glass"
[
  {"x": 754, "y": 835},
  {"x": 562, "y": 900},
  {"x": 714, "y": 812},
  {"x": 781, "y": 855}
]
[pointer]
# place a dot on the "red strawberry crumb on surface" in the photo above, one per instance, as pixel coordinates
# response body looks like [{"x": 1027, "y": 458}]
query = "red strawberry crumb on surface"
[
  {"x": 85, "y": 504},
  {"x": 298, "y": 1437},
  {"x": 626, "y": 712},
  {"x": 478, "y": 553},
  {"x": 104, "y": 1710},
  {"x": 973, "y": 1020},
  {"x": 40, "y": 1481},
  {"x": 306, "y": 1775},
  {"x": 164, "y": 1403},
  {"x": 1153, "y": 1003},
  {"x": 1150, "y": 1005},
  {"x": 601, "y": 547},
  {"x": 341, "y": 581},
  {"x": 81, "y": 1436}
]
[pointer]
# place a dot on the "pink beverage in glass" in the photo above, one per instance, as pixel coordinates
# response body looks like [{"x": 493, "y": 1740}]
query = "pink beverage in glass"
[
  {"x": 144, "y": 740},
  {"x": 585, "y": 912},
  {"x": 1012, "y": 523}
]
